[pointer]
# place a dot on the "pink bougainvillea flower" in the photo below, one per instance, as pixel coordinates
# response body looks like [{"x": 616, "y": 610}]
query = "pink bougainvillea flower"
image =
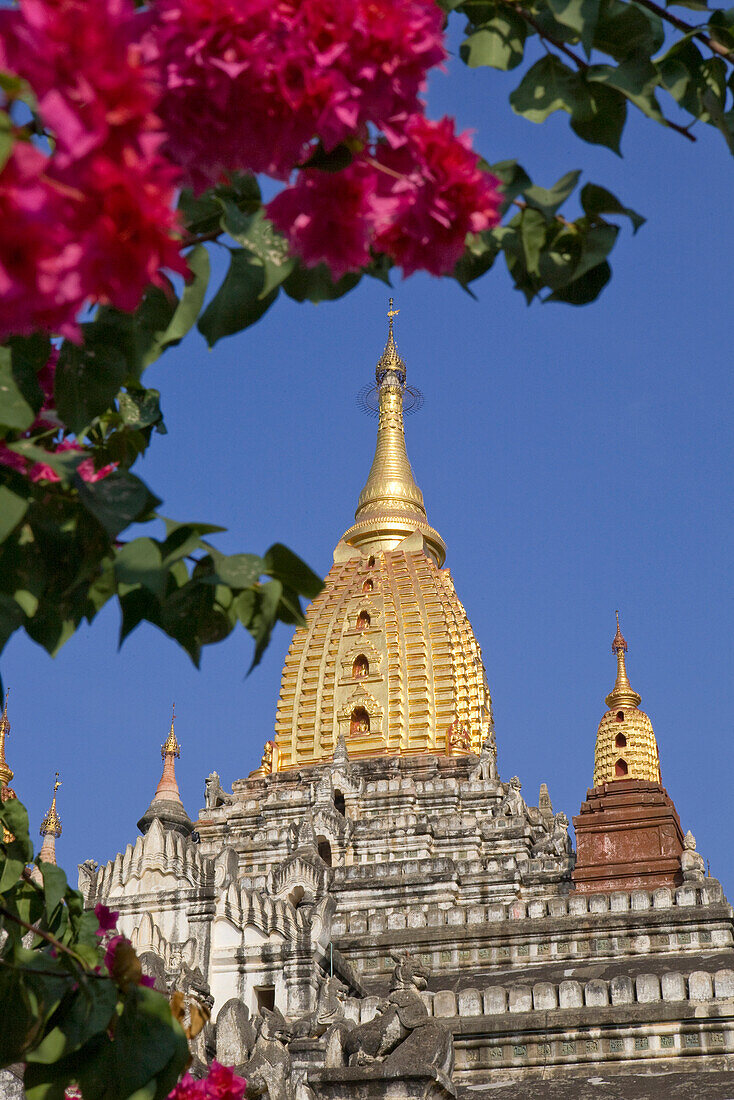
[
  {"x": 441, "y": 194},
  {"x": 249, "y": 84},
  {"x": 222, "y": 1083},
  {"x": 92, "y": 222},
  {"x": 40, "y": 281},
  {"x": 107, "y": 919},
  {"x": 329, "y": 216},
  {"x": 111, "y": 951}
]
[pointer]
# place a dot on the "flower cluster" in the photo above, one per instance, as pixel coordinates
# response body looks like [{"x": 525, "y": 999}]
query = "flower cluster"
[
  {"x": 46, "y": 425},
  {"x": 416, "y": 202},
  {"x": 92, "y": 220},
  {"x": 222, "y": 1083},
  {"x": 139, "y": 102},
  {"x": 249, "y": 84},
  {"x": 120, "y": 959}
]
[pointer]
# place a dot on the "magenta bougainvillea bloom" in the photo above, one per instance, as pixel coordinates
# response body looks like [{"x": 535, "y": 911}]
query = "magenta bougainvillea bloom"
[
  {"x": 329, "y": 216},
  {"x": 222, "y": 1083},
  {"x": 106, "y": 918},
  {"x": 250, "y": 83},
  {"x": 441, "y": 194},
  {"x": 415, "y": 202},
  {"x": 94, "y": 221}
]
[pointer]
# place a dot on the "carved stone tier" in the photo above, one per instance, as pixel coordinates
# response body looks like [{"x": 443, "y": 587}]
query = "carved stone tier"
[
  {"x": 377, "y": 1082},
  {"x": 628, "y": 837}
]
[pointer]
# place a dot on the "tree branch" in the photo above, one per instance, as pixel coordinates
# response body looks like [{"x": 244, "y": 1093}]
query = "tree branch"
[
  {"x": 44, "y": 935},
  {"x": 681, "y": 25}
]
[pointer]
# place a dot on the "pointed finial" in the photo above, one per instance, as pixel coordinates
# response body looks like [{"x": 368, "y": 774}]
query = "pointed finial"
[
  {"x": 51, "y": 824},
  {"x": 390, "y": 368},
  {"x": 170, "y": 746},
  {"x": 618, "y": 641},
  {"x": 622, "y": 695}
]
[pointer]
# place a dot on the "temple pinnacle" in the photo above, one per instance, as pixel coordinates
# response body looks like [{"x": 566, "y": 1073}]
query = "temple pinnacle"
[
  {"x": 167, "y": 806},
  {"x": 50, "y": 829},
  {"x": 390, "y": 507},
  {"x": 6, "y": 773},
  {"x": 622, "y": 694},
  {"x": 170, "y": 746}
]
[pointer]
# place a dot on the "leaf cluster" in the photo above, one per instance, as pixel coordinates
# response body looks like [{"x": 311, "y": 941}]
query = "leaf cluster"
[
  {"x": 64, "y": 1018},
  {"x": 602, "y": 57}
]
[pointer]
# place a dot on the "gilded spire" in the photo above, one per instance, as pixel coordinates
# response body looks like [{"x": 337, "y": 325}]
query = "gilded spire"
[
  {"x": 6, "y": 773},
  {"x": 50, "y": 829},
  {"x": 390, "y": 507},
  {"x": 51, "y": 824},
  {"x": 622, "y": 695},
  {"x": 626, "y": 747},
  {"x": 170, "y": 746}
]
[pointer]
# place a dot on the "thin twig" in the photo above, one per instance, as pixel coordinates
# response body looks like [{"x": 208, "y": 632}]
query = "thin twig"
[{"x": 681, "y": 25}]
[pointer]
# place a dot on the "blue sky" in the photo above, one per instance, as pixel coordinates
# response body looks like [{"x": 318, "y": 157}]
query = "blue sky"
[{"x": 574, "y": 460}]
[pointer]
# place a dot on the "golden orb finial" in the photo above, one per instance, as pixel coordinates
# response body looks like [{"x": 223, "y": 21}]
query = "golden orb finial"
[
  {"x": 51, "y": 824},
  {"x": 390, "y": 369},
  {"x": 170, "y": 746}
]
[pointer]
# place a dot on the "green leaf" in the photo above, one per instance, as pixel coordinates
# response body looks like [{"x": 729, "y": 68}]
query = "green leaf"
[
  {"x": 263, "y": 241},
  {"x": 238, "y": 302},
  {"x": 532, "y": 235},
  {"x": 264, "y": 618},
  {"x": 12, "y": 617},
  {"x": 149, "y": 1045},
  {"x": 12, "y": 510},
  {"x": 7, "y": 138},
  {"x": 600, "y": 119},
  {"x": 636, "y": 80},
  {"x": 83, "y": 1015},
  {"x": 584, "y": 290},
  {"x": 596, "y": 200},
  {"x": 548, "y": 201},
  {"x": 580, "y": 16},
  {"x": 140, "y": 408},
  {"x": 137, "y": 606},
  {"x": 187, "y": 310},
  {"x": 316, "y": 284},
  {"x": 14, "y": 817},
  {"x": 140, "y": 563},
  {"x": 283, "y": 564},
  {"x": 627, "y": 30},
  {"x": 499, "y": 43},
  {"x": 54, "y": 886},
  {"x": 480, "y": 253},
  {"x": 117, "y": 501},
  {"x": 238, "y": 570},
  {"x": 341, "y": 156},
  {"x": 88, "y": 377},
  {"x": 547, "y": 87},
  {"x": 15, "y": 411}
]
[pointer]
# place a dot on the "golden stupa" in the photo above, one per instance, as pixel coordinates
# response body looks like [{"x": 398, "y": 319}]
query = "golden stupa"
[
  {"x": 625, "y": 741},
  {"x": 388, "y": 659}
]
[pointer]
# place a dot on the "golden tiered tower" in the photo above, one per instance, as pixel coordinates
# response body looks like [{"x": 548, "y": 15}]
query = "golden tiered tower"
[
  {"x": 388, "y": 658},
  {"x": 625, "y": 741}
]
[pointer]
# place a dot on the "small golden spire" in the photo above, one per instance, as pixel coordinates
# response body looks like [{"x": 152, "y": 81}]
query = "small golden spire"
[
  {"x": 170, "y": 746},
  {"x": 622, "y": 695},
  {"x": 390, "y": 506},
  {"x": 6, "y": 773},
  {"x": 51, "y": 824}
]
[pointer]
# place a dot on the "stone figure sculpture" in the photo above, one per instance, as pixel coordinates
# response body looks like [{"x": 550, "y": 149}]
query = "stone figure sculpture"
[
  {"x": 557, "y": 842},
  {"x": 691, "y": 861},
  {"x": 486, "y": 766},
  {"x": 402, "y": 1034},
  {"x": 329, "y": 1009},
  {"x": 269, "y": 1071},
  {"x": 214, "y": 793},
  {"x": 513, "y": 804}
]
